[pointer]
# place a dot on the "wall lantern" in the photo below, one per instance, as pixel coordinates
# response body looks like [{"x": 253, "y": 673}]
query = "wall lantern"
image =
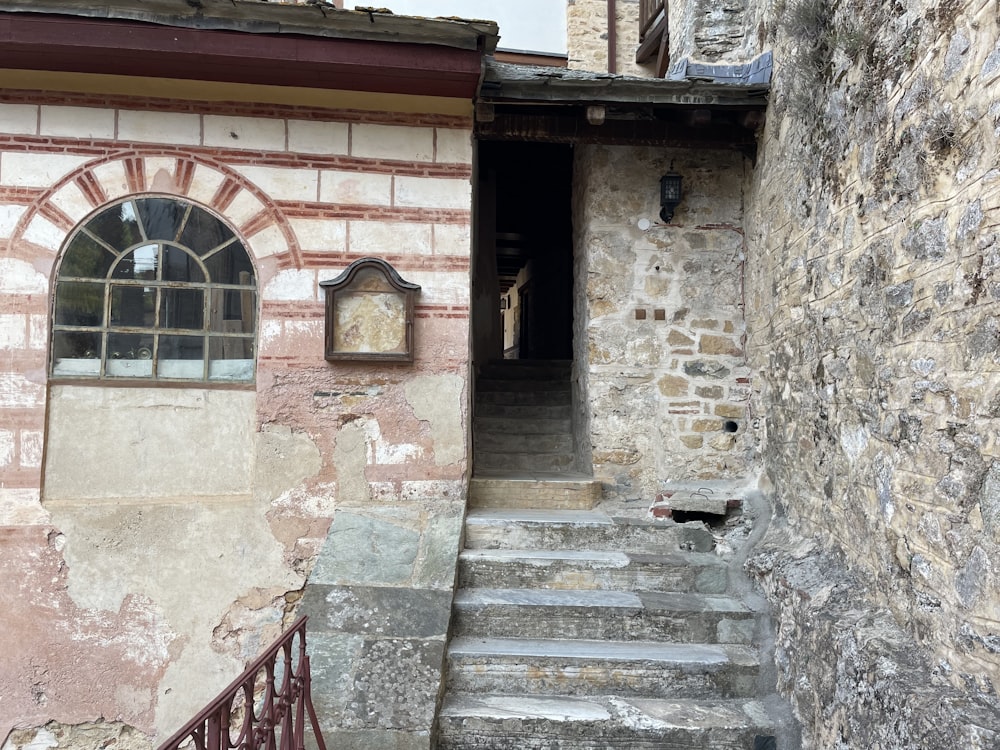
[
  {"x": 369, "y": 313},
  {"x": 670, "y": 195}
]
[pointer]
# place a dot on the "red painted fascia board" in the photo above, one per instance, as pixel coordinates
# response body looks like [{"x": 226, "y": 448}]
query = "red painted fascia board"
[{"x": 84, "y": 45}]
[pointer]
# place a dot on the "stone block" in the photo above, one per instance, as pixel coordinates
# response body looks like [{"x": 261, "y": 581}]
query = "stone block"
[
  {"x": 76, "y": 122},
  {"x": 9, "y": 216},
  {"x": 708, "y": 344},
  {"x": 453, "y": 146},
  {"x": 706, "y": 425},
  {"x": 284, "y": 184},
  {"x": 38, "y": 332},
  {"x": 13, "y": 331},
  {"x": 180, "y": 128},
  {"x": 676, "y": 338},
  {"x": 333, "y": 659},
  {"x": 452, "y": 239},
  {"x": 243, "y": 208},
  {"x": 267, "y": 242},
  {"x": 21, "y": 507},
  {"x": 396, "y": 685},
  {"x": 692, "y": 441},
  {"x": 43, "y": 232},
  {"x": 205, "y": 183},
  {"x": 313, "y": 137},
  {"x": 112, "y": 179},
  {"x": 363, "y": 549},
  {"x": 6, "y": 448},
  {"x": 18, "y": 119},
  {"x": 72, "y": 202},
  {"x": 32, "y": 442},
  {"x": 731, "y": 411},
  {"x": 436, "y": 568},
  {"x": 22, "y": 169},
  {"x": 398, "y": 142},
  {"x": 355, "y": 188},
  {"x": 709, "y": 391},
  {"x": 377, "y": 610},
  {"x": 20, "y": 277},
  {"x": 375, "y": 739},
  {"x": 258, "y": 133},
  {"x": 441, "y": 288},
  {"x": 320, "y": 235},
  {"x": 384, "y": 237},
  {"x": 293, "y": 284},
  {"x": 434, "y": 192},
  {"x": 673, "y": 385}
]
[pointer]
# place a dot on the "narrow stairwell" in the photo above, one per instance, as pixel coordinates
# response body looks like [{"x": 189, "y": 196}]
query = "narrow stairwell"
[{"x": 580, "y": 624}]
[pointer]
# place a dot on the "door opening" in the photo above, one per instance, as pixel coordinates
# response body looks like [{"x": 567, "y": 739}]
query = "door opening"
[{"x": 523, "y": 282}]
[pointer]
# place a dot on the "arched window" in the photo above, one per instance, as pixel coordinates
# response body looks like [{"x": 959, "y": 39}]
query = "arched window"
[{"x": 154, "y": 288}]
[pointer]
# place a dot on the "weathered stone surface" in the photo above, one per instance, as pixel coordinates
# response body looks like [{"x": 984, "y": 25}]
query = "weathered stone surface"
[
  {"x": 365, "y": 549},
  {"x": 395, "y": 612}
]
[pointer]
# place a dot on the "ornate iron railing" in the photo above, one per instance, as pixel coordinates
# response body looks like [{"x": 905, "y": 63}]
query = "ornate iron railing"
[{"x": 264, "y": 708}]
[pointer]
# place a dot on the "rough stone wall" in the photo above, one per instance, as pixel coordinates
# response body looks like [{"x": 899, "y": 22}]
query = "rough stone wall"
[
  {"x": 659, "y": 321},
  {"x": 134, "y": 611},
  {"x": 873, "y": 335}
]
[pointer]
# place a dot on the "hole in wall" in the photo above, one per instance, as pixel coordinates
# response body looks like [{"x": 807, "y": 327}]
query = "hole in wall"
[
  {"x": 713, "y": 520},
  {"x": 730, "y": 426}
]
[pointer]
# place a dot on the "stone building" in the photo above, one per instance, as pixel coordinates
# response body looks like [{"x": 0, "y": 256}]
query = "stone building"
[{"x": 193, "y": 450}]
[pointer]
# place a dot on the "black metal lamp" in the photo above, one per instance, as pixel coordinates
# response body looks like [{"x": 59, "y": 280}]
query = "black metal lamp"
[{"x": 670, "y": 195}]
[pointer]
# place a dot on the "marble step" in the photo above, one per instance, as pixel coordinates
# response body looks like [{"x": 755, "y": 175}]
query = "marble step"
[
  {"x": 519, "y": 722},
  {"x": 523, "y": 460},
  {"x": 583, "y": 667},
  {"x": 532, "y": 528},
  {"x": 699, "y": 572},
  {"x": 602, "y": 615}
]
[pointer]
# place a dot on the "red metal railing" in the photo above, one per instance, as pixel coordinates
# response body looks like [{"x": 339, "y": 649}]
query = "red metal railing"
[
  {"x": 649, "y": 10},
  {"x": 263, "y": 709}
]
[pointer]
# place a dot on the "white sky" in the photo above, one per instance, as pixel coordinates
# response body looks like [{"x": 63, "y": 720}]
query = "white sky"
[{"x": 525, "y": 25}]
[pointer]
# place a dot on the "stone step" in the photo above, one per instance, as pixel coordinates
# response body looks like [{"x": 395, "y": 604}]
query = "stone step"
[
  {"x": 486, "y": 410},
  {"x": 592, "y": 569},
  {"x": 526, "y": 424},
  {"x": 556, "y": 490},
  {"x": 524, "y": 398},
  {"x": 609, "y": 615},
  {"x": 518, "y": 385},
  {"x": 532, "y": 528},
  {"x": 636, "y": 668},
  {"x": 529, "y": 369},
  {"x": 530, "y": 722},
  {"x": 523, "y": 460},
  {"x": 501, "y": 443}
]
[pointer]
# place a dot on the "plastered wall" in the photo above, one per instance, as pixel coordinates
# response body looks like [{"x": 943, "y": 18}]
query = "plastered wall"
[{"x": 155, "y": 539}]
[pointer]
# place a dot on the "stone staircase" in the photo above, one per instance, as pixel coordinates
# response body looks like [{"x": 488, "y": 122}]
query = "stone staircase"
[{"x": 580, "y": 624}]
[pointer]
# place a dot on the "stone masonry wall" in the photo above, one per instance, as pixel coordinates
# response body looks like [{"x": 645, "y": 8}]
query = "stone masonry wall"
[
  {"x": 662, "y": 329},
  {"x": 134, "y": 613},
  {"x": 874, "y": 338}
]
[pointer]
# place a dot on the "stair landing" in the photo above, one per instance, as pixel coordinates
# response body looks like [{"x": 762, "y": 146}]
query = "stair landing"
[{"x": 565, "y": 490}]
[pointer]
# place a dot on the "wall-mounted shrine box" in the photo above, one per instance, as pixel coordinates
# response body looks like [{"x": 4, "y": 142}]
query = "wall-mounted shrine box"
[{"x": 369, "y": 313}]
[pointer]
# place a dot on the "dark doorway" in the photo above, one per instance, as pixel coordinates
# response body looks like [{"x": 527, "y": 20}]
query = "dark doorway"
[{"x": 524, "y": 256}]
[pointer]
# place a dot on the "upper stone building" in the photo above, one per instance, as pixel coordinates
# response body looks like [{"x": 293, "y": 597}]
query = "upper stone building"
[{"x": 259, "y": 261}]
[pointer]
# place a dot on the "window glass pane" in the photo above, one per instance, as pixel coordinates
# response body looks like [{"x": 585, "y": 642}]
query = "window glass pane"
[
  {"x": 204, "y": 232},
  {"x": 79, "y": 303},
  {"x": 133, "y": 306},
  {"x": 231, "y": 265},
  {"x": 233, "y": 310},
  {"x": 130, "y": 355},
  {"x": 76, "y": 353},
  {"x": 87, "y": 258},
  {"x": 181, "y": 357},
  {"x": 180, "y": 266},
  {"x": 182, "y": 308},
  {"x": 230, "y": 358},
  {"x": 161, "y": 217},
  {"x": 139, "y": 264},
  {"x": 117, "y": 226}
]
